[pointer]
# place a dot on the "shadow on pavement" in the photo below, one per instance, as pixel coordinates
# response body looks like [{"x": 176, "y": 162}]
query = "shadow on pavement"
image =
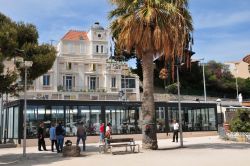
[
  {"x": 219, "y": 146},
  {"x": 43, "y": 158},
  {"x": 211, "y": 146},
  {"x": 31, "y": 159}
]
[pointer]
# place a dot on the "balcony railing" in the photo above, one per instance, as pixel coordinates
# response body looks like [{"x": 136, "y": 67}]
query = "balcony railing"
[{"x": 80, "y": 89}]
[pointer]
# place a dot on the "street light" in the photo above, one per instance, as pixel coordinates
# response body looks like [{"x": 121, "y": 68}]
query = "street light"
[
  {"x": 1, "y": 118},
  {"x": 26, "y": 65},
  {"x": 204, "y": 78},
  {"x": 236, "y": 81},
  {"x": 179, "y": 105}
]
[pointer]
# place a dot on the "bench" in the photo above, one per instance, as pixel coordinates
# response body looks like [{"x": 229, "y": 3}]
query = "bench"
[{"x": 119, "y": 142}]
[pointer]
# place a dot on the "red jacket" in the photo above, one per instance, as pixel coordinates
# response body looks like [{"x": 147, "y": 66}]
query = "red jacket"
[{"x": 102, "y": 128}]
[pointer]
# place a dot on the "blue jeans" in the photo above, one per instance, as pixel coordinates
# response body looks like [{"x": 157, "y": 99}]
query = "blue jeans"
[
  {"x": 101, "y": 137},
  {"x": 60, "y": 140}
]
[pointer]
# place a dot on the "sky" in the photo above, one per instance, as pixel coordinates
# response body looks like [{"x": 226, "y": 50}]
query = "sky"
[{"x": 221, "y": 27}]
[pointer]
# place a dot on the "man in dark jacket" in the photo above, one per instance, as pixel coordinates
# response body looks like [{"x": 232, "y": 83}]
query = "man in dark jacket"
[
  {"x": 41, "y": 135},
  {"x": 81, "y": 135},
  {"x": 60, "y": 132}
]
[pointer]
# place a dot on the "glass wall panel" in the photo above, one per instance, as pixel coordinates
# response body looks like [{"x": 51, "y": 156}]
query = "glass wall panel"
[
  {"x": 95, "y": 117},
  {"x": 173, "y": 115},
  {"x": 212, "y": 119},
  {"x": 57, "y": 114},
  {"x": 71, "y": 120},
  {"x": 204, "y": 119},
  {"x": 84, "y": 114},
  {"x": 189, "y": 119},
  {"x": 121, "y": 120},
  {"x": 133, "y": 118},
  {"x": 10, "y": 122},
  {"x": 16, "y": 121},
  {"x": 197, "y": 119},
  {"x": 110, "y": 117},
  {"x": 32, "y": 121},
  {"x": 41, "y": 113},
  {"x": 160, "y": 119}
]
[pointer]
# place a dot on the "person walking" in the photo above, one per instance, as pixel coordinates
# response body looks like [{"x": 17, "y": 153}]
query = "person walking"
[
  {"x": 60, "y": 132},
  {"x": 176, "y": 130},
  {"x": 101, "y": 130},
  {"x": 108, "y": 131},
  {"x": 81, "y": 135},
  {"x": 52, "y": 135},
  {"x": 41, "y": 135}
]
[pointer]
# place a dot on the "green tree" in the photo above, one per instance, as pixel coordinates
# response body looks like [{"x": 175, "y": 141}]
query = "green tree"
[
  {"x": 20, "y": 36},
  {"x": 151, "y": 27}
]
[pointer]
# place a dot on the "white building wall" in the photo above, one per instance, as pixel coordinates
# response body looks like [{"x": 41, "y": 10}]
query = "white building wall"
[{"x": 82, "y": 55}]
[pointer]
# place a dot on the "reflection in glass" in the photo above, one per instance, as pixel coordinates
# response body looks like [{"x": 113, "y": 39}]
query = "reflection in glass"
[
  {"x": 71, "y": 120},
  {"x": 10, "y": 123},
  {"x": 16, "y": 121},
  {"x": 160, "y": 119},
  {"x": 95, "y": 118}
]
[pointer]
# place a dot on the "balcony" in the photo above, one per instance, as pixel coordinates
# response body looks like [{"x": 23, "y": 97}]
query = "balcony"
[{"x": 61, "y": 88}]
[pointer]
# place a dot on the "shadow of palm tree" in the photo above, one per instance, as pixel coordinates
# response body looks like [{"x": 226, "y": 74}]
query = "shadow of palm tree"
[{"x": 211, "y": 146}]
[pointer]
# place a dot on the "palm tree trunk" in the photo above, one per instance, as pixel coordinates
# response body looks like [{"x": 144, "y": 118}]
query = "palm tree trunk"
[{"x": 149, "y": 140}]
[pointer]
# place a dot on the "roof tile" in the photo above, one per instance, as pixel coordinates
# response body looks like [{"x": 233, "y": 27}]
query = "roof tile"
[{"x": 75, "y": 35}]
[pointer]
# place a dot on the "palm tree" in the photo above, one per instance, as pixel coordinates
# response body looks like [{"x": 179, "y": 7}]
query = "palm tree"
[{"x": 152, "y": 28}]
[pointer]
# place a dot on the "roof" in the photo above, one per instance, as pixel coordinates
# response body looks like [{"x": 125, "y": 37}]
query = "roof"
[
  {"x": 247, "y": 59},
  {"x": 75, "y": 35}
]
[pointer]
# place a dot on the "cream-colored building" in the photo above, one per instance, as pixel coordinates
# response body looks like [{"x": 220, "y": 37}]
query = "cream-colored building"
[
  {"x": 84, "y": 71},
  {"x": 239, "y": 69}
]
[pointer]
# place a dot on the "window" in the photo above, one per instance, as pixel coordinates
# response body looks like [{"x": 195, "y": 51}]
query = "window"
[
  {"x": 68, "y": 66},
  {"x": 113, "y": 82},
  {"x": 68, "y": 82},
  {"x": 99, "y": 35},
  {"x": 102, "y": 49},
  {"x": 82, "y": 48},
  {"x": 93, "y": 82},
  {"x": 46, "y": 80},
  {"x": 93, "y": 67},
  {"x": 128, "y": 82},
  {"x": 249, "y": 68},
  {"x": 70, "y": 47},
  {"x": 97, "y": 49}
]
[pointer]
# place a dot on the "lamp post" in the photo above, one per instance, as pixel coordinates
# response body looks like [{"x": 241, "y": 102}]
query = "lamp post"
[
  {"x": 1, "y": 118},
  {"x": 204, "y": 81},
  {"x": 179, "y": 106},
  {"x": 26, "y": 65},
  {"x": 236, "y": 82},
  {"x": 204, "y": 78}
]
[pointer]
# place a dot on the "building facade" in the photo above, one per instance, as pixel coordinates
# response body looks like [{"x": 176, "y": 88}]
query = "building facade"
[
  {"x": 239, "y": 69},
  {"x": 125, "y": 117},
  {"x": 83, "y": 71}
]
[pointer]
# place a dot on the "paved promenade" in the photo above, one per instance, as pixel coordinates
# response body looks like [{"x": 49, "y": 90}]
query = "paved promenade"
[{"x": 198, "y": 151}]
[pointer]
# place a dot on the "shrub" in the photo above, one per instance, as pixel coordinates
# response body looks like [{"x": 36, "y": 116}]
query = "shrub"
[
  {"x": 172, "y": 88},
  {"x": 241, "y": 122}
]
